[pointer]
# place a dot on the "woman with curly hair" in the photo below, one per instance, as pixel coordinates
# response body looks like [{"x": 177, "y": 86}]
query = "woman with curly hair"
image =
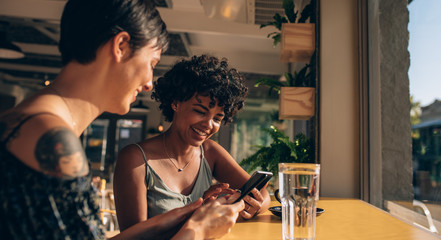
[
  {"x": 109, "y": 49},
  {"x": 175, "y": 168}
]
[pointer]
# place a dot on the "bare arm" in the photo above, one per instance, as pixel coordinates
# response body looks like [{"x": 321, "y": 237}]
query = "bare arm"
[
  {"x": 194, "y": 221},
  {"x": 59, "y": 152},
  {"x": 222, "y": 162},
  {"x": 162, "y": 226},
  {"x": 47, "y": 145},
  {"x": 130, "y": 188}
]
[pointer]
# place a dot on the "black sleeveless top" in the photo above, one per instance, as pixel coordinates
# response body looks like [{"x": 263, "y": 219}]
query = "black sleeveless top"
[{"x": 38, "y": 206}]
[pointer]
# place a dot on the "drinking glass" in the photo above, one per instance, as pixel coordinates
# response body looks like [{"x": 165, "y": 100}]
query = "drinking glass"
[{"x": 299, "y": 192}]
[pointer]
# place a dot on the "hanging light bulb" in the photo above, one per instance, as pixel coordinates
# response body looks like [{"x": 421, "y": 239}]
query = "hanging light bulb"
[
  {"x": 161, "y": 124},
  {"x": 46, "y": 81}
]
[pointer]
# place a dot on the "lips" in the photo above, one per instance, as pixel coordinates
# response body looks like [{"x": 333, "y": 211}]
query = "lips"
[
  {"x": 199, "y": 132},
  {"x": 134, "y": 96}
]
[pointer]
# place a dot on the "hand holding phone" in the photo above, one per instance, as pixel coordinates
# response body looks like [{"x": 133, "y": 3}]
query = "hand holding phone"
[{"x": 257, "y": 180}]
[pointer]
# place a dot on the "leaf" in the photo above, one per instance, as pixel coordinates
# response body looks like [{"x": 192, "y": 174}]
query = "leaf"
[
  {"x": 302, "y": 78},
  {"x": 306, "y": 13},
  {"x": 273, "y": 84},
  {"x": 272, "y": 34},
  {"x": 291, "y": 147},
  {"x": 279, "y": 20},
  {"x": 276, "y": 39},
  {"x": 289, "y": 7},
  {"x": 270, "y": 82},
  {"x": 304, "y": 148},
  {"x": 268, "y": 24},
  {"x": 280, "y": 150},
  {"x": 289, "y": 79}
]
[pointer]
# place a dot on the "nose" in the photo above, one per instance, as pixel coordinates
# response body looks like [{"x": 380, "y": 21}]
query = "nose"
[
  {"x": 208, "y": 123},
  {"x": 148, "y": 86}
]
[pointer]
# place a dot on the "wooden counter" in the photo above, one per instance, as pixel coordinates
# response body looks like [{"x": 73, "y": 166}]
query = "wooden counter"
[{"x": 343, "y": 219}]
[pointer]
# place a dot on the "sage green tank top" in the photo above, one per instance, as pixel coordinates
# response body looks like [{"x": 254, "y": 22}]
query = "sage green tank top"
[{"x": 161, "y": 199}]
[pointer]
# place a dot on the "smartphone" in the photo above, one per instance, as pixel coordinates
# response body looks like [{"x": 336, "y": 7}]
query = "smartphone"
[{"x": 257, "y": 180}]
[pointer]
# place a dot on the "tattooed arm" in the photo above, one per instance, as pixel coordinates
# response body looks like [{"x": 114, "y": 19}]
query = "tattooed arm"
[
  {"x": 45, "y": 144},
  {"x": 59, "y": 152}
]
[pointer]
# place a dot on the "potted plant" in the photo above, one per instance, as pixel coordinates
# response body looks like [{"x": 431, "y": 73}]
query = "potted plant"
[
  {"x": 296, "y": 92},
  {"x": 301, "y": 150},
  {"x": 297, "y": 37}
]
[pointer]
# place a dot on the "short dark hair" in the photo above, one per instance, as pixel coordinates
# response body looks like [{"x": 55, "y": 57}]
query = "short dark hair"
[
  {"x": 88, "y": 24},
  {"x": 204, "y": 75}
]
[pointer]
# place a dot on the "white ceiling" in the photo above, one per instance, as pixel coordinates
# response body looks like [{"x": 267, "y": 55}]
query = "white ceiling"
[{"x": 243, "y": 43}]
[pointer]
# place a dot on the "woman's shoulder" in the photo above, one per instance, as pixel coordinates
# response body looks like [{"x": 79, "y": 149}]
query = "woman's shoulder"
[
  {"x": 135, "y": 152},
  {"x": 28, "y": 125},
  {"x": 212, "y": 147},
  {"x": 154, "y": 145},
  {"x": 214, "y": 152},
  {"x": 41, "y": 140}
]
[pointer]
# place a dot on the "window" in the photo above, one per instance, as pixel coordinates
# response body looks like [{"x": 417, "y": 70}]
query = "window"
[
  {"x": 424, "y": 34},
  {"x": 404, "y": 161}
]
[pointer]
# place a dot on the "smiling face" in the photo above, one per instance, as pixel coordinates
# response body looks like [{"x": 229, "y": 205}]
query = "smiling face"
[
  {"x": 135, "y": 75},
  {"x": 196, "y": 121}
]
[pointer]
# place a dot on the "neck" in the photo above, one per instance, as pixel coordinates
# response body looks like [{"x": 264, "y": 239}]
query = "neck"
[
  {"x": 80, "y": 112},
  {"x": 176, "y": 148}
]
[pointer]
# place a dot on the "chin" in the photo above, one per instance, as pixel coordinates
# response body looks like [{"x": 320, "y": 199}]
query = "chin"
[
  {"x": 121, "y": 111},
  {"x": 124, "y": 112}
]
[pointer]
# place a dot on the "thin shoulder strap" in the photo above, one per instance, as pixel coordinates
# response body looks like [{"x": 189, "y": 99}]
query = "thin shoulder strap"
[
  {"x": 20, "y": 124},
  {"x": 142, "y": 151},
  {"x": 146, "y": 165},
  {"x": 202, "y": 151}
]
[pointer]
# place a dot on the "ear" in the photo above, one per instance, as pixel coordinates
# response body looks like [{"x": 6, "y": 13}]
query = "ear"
[
  {"x": 174, "y": 106},
  {"x": 120, "y": 46}
]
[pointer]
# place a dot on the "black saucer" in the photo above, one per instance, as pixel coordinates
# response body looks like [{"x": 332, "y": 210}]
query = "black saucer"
[{"x": 277, "y": 210}]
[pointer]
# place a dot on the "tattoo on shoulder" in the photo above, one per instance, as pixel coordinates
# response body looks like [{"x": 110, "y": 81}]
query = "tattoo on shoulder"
[{"x": 59, "y": 152}]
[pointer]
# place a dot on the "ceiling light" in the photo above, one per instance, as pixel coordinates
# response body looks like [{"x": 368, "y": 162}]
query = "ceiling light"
[
  {"x": 231, "y": 10},
  {"x": 8, "y": 50}
]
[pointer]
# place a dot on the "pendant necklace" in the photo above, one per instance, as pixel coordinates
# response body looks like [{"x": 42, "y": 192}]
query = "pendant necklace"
[
  {"x": 169, "y": 158},
  {"x": 74, "y": 124}
]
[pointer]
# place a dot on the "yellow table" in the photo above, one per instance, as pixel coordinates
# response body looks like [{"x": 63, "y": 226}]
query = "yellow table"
[{"x": 343, "y": 219}]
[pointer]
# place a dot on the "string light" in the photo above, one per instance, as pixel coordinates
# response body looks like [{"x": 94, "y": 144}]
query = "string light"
[
  {"x": 46, "y": 81},
  {"x": 161, "y": 125}
]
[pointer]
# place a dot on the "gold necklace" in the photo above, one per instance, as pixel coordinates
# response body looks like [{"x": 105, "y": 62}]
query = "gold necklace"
[
  {"x": 169, "y": 158},
  {"x": 74, "y": 124}
]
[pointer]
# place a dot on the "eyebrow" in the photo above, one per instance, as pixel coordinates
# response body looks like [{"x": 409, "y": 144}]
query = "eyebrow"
[{"x": 206, "y": 109}]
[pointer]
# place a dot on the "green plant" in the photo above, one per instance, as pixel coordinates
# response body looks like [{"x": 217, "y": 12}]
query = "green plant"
[
  {"x": 303, "y": 78},
  {"x": 300, "y": 150},
  {"x": 290, "y": 17}
]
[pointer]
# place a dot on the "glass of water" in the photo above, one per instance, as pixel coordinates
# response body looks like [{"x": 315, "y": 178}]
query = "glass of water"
[{"x": 299, "y": 192}]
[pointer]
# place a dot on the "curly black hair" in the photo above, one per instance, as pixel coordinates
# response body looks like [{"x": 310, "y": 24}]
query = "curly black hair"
[{"x": 206, "y": 76}]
